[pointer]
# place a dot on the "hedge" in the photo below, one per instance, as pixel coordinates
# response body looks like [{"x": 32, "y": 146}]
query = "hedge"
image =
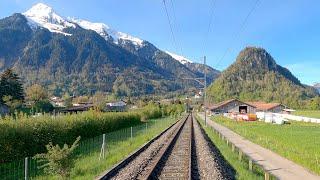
[{"x": 29, "y": 135}]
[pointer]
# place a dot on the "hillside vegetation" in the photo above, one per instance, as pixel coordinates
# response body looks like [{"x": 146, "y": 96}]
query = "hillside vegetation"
[{"x": 256, "y": 76}]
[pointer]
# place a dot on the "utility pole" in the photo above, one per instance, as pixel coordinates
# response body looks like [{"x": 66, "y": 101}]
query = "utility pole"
[{"x": 205, "y": 93}]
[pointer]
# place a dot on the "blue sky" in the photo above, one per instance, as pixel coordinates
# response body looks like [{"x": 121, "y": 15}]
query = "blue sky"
[{"x": 288, "y": 29}]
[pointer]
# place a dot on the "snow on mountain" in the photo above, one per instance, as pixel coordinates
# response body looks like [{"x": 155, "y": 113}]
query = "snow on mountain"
[
  {"x": 44, "y": 16},
  {"x": 179, "y": 58},
  {"x": 105, "y": 31},
  {"x": 317, "y": 86}
]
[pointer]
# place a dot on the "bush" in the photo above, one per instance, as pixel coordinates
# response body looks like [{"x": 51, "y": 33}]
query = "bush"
[{"x": 59, "y": 160}]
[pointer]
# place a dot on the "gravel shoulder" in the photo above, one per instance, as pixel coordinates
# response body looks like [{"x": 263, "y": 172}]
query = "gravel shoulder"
[{"x": 211, "y": 164}]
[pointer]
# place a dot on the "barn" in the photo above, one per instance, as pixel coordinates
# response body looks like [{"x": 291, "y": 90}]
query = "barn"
[
  {"x": 233, "y": 106},
  {"x": 268, "y": 107}
]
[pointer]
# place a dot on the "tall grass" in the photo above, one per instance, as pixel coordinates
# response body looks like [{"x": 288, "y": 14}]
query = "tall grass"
[{"x": 297, "y": 141}]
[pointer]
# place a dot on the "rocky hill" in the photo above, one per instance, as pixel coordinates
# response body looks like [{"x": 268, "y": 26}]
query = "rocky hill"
[{"x": 255, "y": 75}]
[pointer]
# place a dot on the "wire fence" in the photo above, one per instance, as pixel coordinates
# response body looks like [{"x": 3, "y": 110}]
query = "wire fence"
[{"x": 28, "y": 168}]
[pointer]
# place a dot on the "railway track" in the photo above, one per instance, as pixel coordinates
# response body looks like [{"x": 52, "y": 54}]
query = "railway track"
[{"x": 171, "y": 155}]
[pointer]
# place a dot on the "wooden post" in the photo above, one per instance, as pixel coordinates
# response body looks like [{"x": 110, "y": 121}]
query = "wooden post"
[
  {"x": 26, "y": 168},
  {"x": 227, "y": 142},
  {"x": 102, "y": 151},
  {"x": 131, "y": 132},
  {"x": 266, "y": 176},
  {"x": 240, "y": 155},
  {"x": 232, "y": 147},
  {"x": 250, "y": 165}
]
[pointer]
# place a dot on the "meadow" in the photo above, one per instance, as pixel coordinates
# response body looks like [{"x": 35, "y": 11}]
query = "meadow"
[
  {"x": 308, "y": 113},
  {"x": 297, "y": 141},
  {"x": 241, "y": 167}
]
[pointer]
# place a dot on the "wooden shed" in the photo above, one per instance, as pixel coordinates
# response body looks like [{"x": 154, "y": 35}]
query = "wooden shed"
[{"x": 233, "y": 106}]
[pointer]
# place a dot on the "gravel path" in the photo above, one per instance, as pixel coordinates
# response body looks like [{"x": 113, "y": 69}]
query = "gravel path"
[
  {"x": 138, "y": 165},
  {"x": 211, "y": 164}
]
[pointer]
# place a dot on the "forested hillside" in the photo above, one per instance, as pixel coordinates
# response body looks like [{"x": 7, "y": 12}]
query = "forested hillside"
[{"x": 256, "y": 76}]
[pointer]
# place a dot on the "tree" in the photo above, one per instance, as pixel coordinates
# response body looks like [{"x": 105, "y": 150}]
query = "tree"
[
  {"x": 10, "y": 85},
  {"x": 99, "y": 100},
  {"x": 11, "y": 90},
  {"x": 36, "y": 93},
  {"x": 59, "y": 160},
  {"x": 67, "y": 100}
]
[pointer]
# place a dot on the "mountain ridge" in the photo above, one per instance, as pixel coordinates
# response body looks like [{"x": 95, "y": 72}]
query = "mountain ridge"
[{"x": 82, "y": 60}]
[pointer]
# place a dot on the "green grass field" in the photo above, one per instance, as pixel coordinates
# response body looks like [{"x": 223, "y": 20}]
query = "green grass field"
[
  {"x": 298, "y": 141},
  {"x": 241, "y": 167},
  {"x": 89, "y": 166},
  {"x": 308, "y": 113}
]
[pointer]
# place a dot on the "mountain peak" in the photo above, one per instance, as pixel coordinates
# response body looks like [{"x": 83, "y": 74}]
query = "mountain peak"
[
  {"x": 44, "y": 16},
  {"x": 256, "y": 57},
  {"x": 105, "y": 31},
  {"x": 40, "y": 7},
  {"x": 179, "y": 58}
]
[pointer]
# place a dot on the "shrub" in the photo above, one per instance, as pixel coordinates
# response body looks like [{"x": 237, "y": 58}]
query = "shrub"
[{"x": 59, "y": 160}]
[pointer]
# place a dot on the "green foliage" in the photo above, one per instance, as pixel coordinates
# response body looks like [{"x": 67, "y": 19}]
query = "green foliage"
[
  {"x": 255, "y": 76},
  {"x": 314, "y": 103},
  {"x": 11, "y": 90},
  {"x": 59, "y": 160},
  {"x": 36, "y": 93},
  {"x": 43, "y": 106},
  {"x": 27, "y": 136}
]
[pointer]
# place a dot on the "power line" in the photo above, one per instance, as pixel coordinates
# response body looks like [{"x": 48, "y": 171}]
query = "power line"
[
  {"x": 177, "y": 26},
  {"x": 237, "y": 34},
  {"x": 209, "y": 25},
  {"x": 170, "y": 24}
]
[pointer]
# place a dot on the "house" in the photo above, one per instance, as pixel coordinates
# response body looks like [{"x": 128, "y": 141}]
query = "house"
[
  {"x": 57, "y": 102},
  {"x": 233, "y": 106},
  {"x": 76, "y": 109},
  {"x": 268, "y": 107},
  {"x": 116, "y": 106}
]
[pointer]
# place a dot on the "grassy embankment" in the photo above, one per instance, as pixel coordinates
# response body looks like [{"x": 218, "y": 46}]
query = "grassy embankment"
[
  {"x": 88, "y": 166},
  {"x": 241, "y": 167},
  {"x": 297, "y": 141},
  {"x": 308, "y": 113}
]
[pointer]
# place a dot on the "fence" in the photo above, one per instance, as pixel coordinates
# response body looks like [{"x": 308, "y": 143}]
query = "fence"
[{"x": 29, "y": 167}]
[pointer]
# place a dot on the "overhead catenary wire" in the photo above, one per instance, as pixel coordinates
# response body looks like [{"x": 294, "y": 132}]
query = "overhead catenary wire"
[
  {"x": 237, "y": 33},
  {"x": 210, "y": 24},
  {"x": 176, "y": 26},
  {"x": 170, "y": 25}
]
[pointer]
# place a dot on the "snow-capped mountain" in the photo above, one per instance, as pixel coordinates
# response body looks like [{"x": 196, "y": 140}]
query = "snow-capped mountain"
[
  {"x": 81, "y": 56},
  {"x": 179, "y": 58},
  {"x": 105, "y": 31},
  {"x": 44, "y": 16}
]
